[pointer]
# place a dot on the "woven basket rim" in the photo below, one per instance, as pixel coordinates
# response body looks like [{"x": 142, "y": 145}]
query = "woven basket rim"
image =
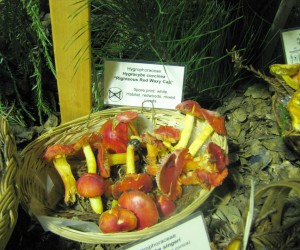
[
  {"x": 168, "y": 116},
  {"x": 9, "y": 195}
]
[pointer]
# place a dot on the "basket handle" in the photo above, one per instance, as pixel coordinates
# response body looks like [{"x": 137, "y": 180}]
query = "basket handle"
[{"x": 72, "y": 53}]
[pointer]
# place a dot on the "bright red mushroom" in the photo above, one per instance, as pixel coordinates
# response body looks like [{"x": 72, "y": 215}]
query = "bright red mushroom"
[
  {"x": 85, "y": 143},
  {"x": 191, "y": 109},
  {"x": 114, "y": 136},
  {"x": 137, "y": 181},
  {"x": 215, "y": 123},
  {"x": 209, "y": 171},
  {"x": 57, "y": 154},
  {"x": 170, "y": 169},
  {"x": 128, "y": 117},
  {"x": 166, "y": 206},
  {"x": 142, "y": 205},
  {"x": 92, "y": 186},
  {"x": 169, "y": 135},
  {"x": 217, "y": 156},
  {"x": 117, "y": 219}
]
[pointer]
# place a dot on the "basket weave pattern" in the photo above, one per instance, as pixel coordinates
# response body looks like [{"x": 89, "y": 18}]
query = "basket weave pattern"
[
  {"x": 9, "y": 200},
  {"x": 34, "y": 196}
]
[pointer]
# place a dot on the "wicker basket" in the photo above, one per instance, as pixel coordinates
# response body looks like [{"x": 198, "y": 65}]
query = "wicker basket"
[
  {"x": 9, "y": 200},
  {"x": 34, "y": 190}
]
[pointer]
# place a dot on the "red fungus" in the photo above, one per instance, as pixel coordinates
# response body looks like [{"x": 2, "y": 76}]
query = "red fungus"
[
  {"x": 191, "y": 109},
  {"x": 114, "y": 137},
  {"x": 166, "y": 206},
  {"x": 214, "y": 123},
  {"x": 168, "y": 135},
  {"x": 141, "y": 182},
  {"x": 217, "y": 156},
  {"x": 142, "y": 205},
  {"x": 117, "y": 219},
  {"x": 57, "y": 154},
  {"x": 92, "y": 186},
  {"x": 86, "y": 142},
  {"x": 169, "y": 172},
  {"x": 128, "y": 117}
]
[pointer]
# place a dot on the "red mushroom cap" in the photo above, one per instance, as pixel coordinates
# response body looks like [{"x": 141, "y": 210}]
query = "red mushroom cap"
[
  {"x": 103, "y": 162},
  {"x": 141, "y": 182},
  {"x": 142, "y": 205},
  {"x": 127, "y": 116},
  {"x": 58, "y": 149},
  {"x": 114, "y": 138},
  {"x": 166, "y": 206},
  {"x": 167, "y": 133},
  {"x": 169, "y": 173},
  {"x": 211, "y": 179},
  {"x": 217, "y": 122},
  {"x": 190, "y": 107},
  {"x": 90, "y": 185},
  {"x": 217, "y": 156},
  {"x": 91, "y": 138},
  {"x": 117, "y": 219}
]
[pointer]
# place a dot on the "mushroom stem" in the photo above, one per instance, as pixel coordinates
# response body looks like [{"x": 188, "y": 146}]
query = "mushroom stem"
[
  {"x": 96, "y": 204},
  {"x": 186, "y": 131},
  {"x": 200, "y": 139},
  {"x": 130, "y": 160},
  {"x": 90, "y": 158},
  {"x": 117, "y": 159},
  {"x": 65, "y": 172}
]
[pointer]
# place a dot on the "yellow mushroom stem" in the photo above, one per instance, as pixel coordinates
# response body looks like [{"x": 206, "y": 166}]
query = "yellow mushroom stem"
[
  {"x": 96, "y": 204},
  {"x": 200, "y": 139},
  {"x": 186, "y": 131},
  {"x": 64, "y": 170},
  {"x": 117, "y": 159},
  {"x": 90, "y": 158},
  {"x": 130, "y": 160}
]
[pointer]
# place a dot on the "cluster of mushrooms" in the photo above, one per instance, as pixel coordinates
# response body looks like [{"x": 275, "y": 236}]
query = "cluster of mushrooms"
[{"x": 169, "y": 162}]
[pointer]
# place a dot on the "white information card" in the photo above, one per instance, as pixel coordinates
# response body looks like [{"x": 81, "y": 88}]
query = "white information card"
[
  {"x": 136, "y": 84},
  {"x": 291, "y": 44},
  {"x": 189, "y": 234}
]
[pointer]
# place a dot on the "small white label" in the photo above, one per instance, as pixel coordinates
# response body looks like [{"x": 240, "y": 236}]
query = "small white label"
[
  {"x": 291, "y": 43},
  {"x": 190, "y": 234},
  {"x": 137, "y": 84}
]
